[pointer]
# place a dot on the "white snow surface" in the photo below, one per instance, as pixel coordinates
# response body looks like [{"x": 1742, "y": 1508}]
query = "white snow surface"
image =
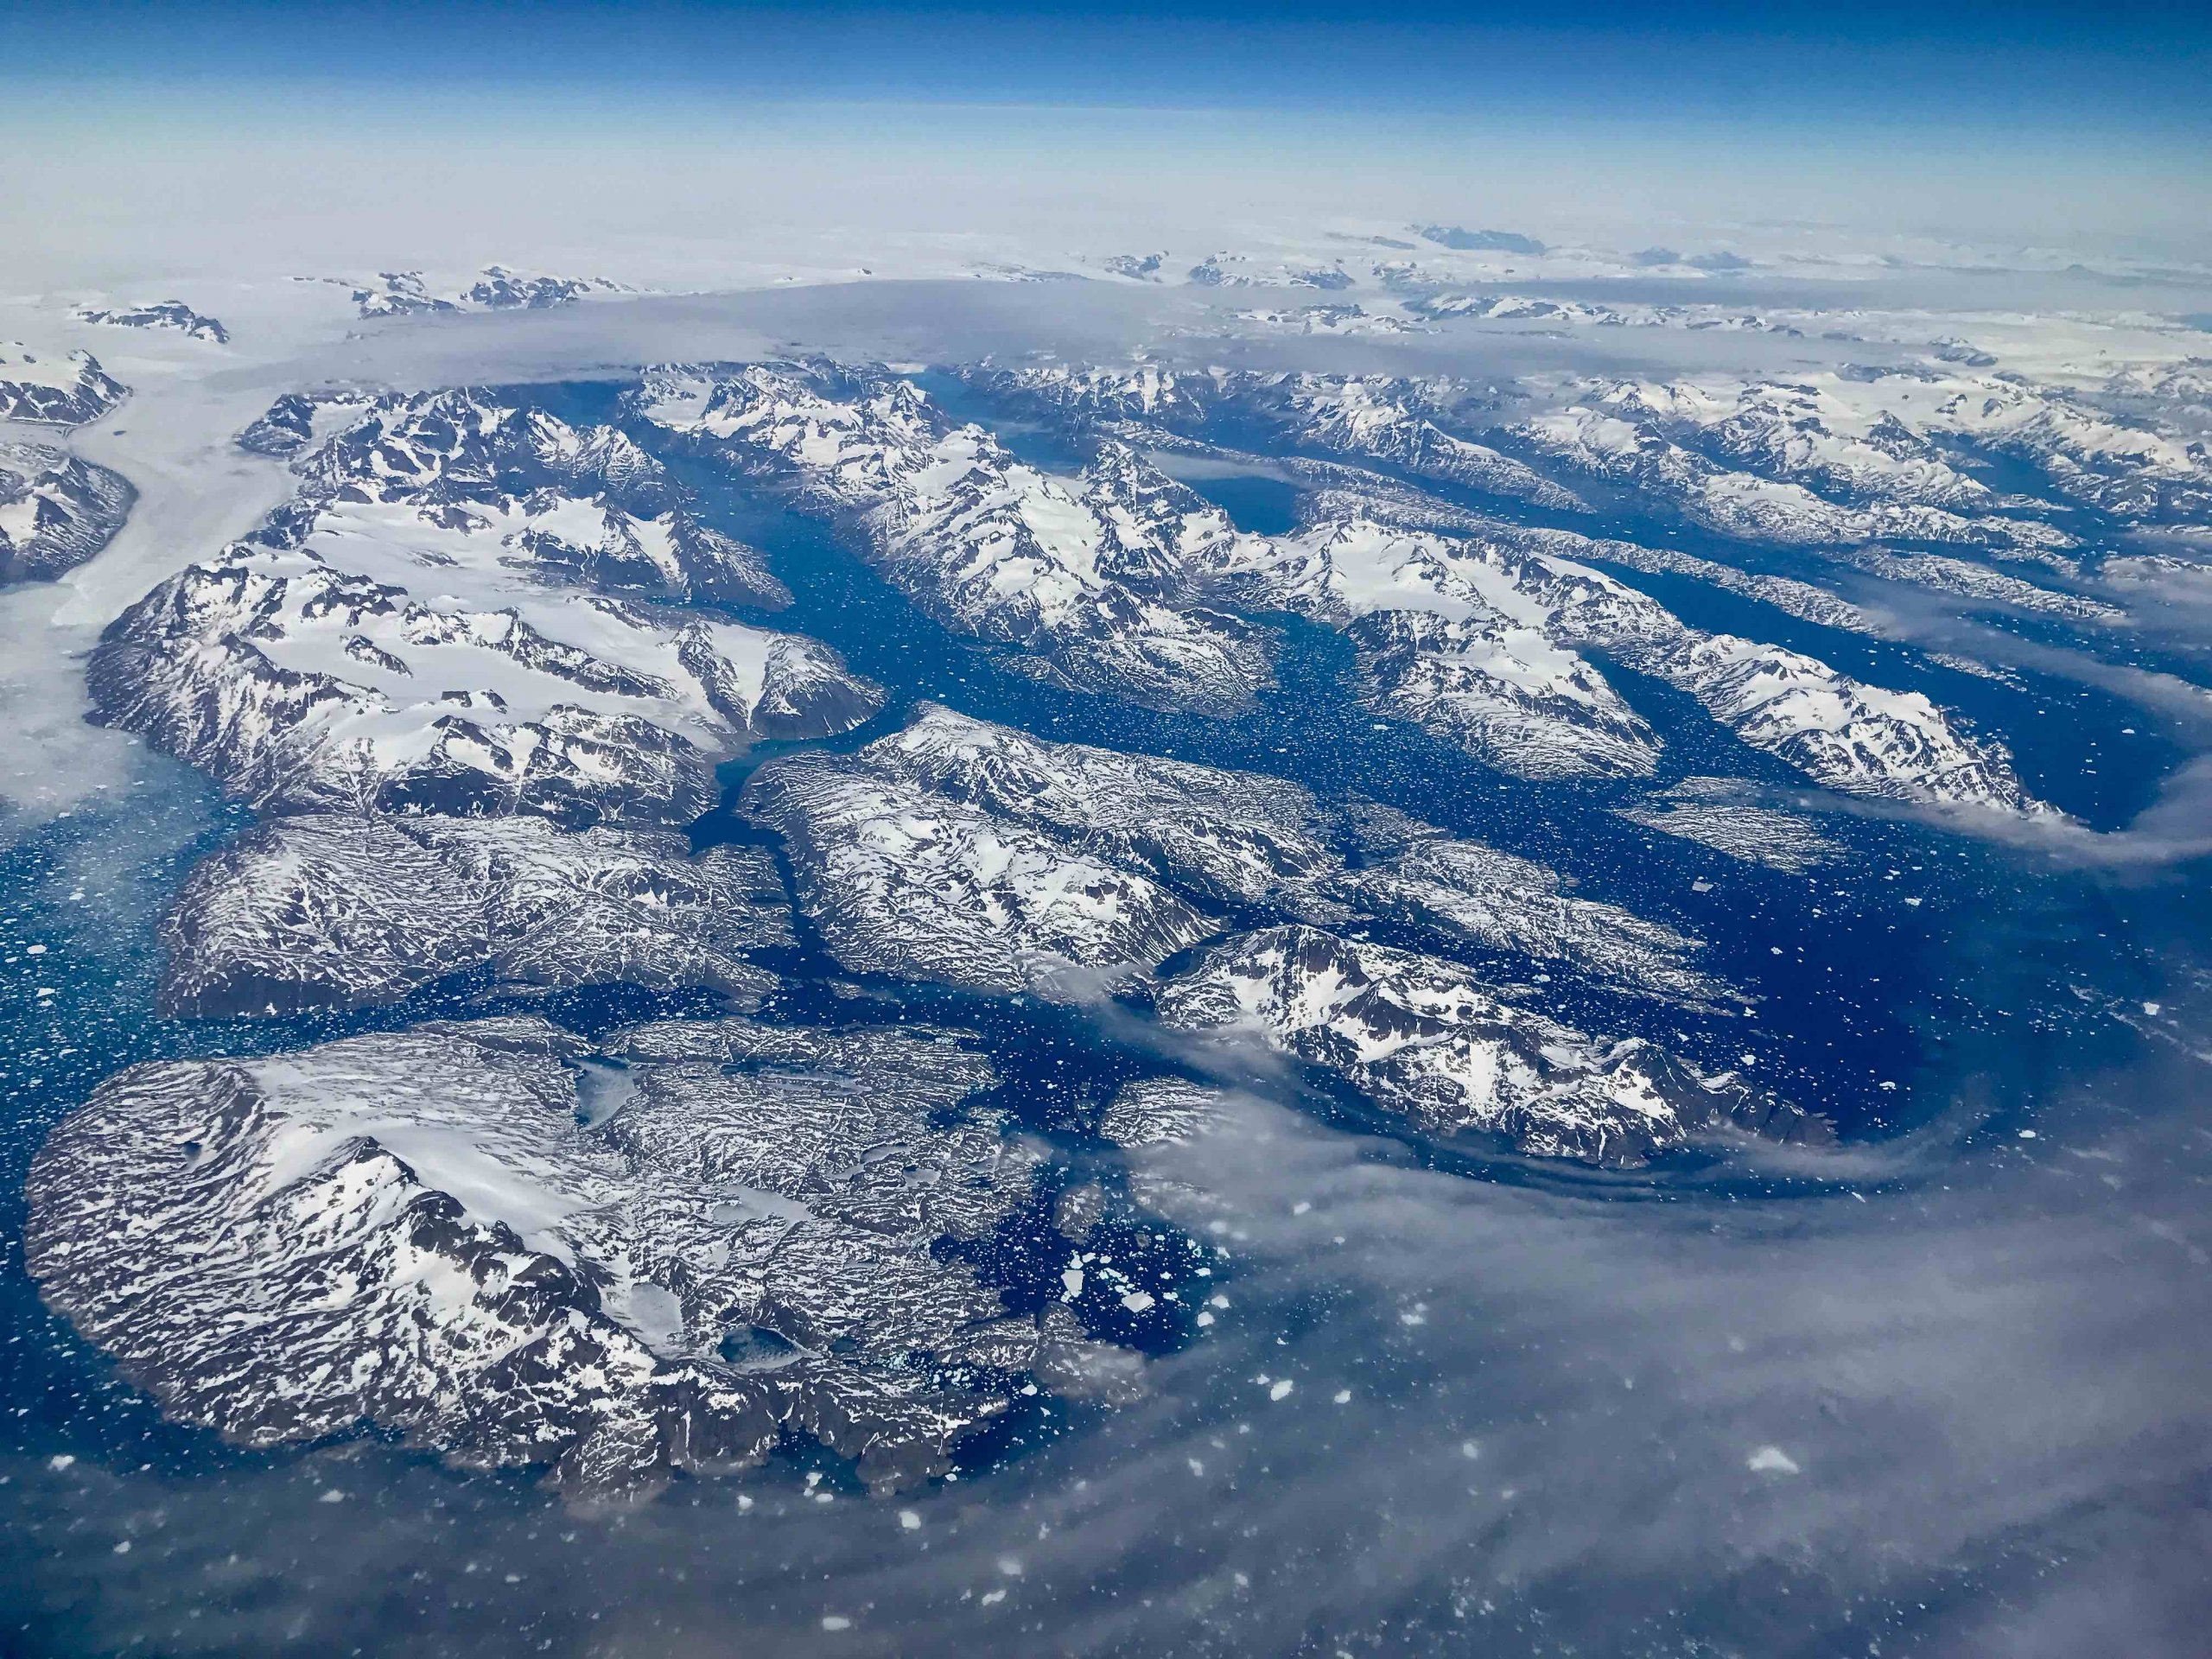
[
  {"x": 1421, "y": 1037},
  {"x": 54, "y": 388},
  {"x": 416, "y": 1230},
  {"x": 327, "y": 909},
  {"x": 408, "y": 636},
  {"x": 56, "y": 510},
  {"x": 990, "y": 546},
  {"x": 966, "y": 852}
]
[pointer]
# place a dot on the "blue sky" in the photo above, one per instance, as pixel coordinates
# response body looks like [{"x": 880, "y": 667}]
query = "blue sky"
[
  {"x": 2117, "y": 70},
  {"x": 2058, "y": 125}
]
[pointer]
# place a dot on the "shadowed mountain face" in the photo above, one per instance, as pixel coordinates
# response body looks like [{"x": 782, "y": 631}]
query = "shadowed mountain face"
[
  {"x": 55, "y": 510},
  {"x": 55, "y": 389}
]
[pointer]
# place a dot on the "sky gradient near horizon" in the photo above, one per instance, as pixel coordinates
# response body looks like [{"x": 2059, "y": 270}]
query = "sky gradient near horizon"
[{"x": 2036, "y": 120}]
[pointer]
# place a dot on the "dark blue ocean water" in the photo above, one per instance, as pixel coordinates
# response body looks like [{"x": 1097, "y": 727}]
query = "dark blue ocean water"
[{"x": 2013, "y": 989}]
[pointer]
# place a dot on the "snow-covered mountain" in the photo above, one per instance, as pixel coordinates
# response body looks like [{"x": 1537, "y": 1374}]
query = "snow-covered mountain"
[
  {"x": 54, "y": 388},
  {"x": 1882, "y": 451},
  {"x": 1476, "y": 627},
  {"x": 1473, "y": 627},
  {"x": 172, "y": 314},
  {"x": 1532, "y": 309},
  {"x": 496, "y": 288},
  {"x": 989, "y": 546},
  {"x": 1324, "y": 319},
  {"x": 972, "y": 853},
  {"x": 1840, "y": 459},
  {"x": 1478, "y": 634},
  {"x": 1457, "y": 894},
  {"x": 1372, "y": 418},
  {"x": 481, "y": 1237},
  {"x": 1228, "y": 270},
  {"x": 338, "y": 909},
  {"x": 1421, "y": 1038},
  {"x": 409, "y": 634},
  {"x": 1617, "y": 439},
  {"x": 55, "y": 510},
  {"x": 1473, "y": 640},
  {"x": 1223, "y": 837},
  {"x": 901, "y": 881}
]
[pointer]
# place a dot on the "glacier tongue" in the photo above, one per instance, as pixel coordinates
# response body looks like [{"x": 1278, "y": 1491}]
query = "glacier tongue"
[{"x": 414, "y": 1231}]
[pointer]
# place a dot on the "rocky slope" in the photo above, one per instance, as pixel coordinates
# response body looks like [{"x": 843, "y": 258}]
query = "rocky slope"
[
  {"x": 55, "y": 510},
  {"x": 1421, "y": 1038},
  {"x": 326, "y": 909},
  {"x": 972, "y": 853},
  {"x": 54, "y": 388},
  {"x": 410, "y": 633},
  {"x": 989, "y": 546},
  {"x": 481, "y": 1238},
  {"x": 173, "y": 315}
]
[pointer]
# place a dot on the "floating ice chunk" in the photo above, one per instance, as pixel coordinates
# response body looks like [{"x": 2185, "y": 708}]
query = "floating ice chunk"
[
  {"x": 1771, "y": 1459},
  {"x": 1282, "y": 1389}
]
